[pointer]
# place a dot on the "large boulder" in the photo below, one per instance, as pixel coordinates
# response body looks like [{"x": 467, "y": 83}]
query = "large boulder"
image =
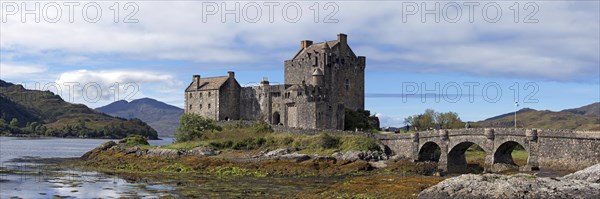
[
  {"x": 169, "y": 153},
  {"x": 278, "y": 152},
  {"x": 517, "y": 186},
  {"x": 285, "y": 154},
  {"x": 590, "y": 174},
  {"x": 106, "y": 145},
  {"x": 293, "y": 157},
  {"x": 202, "y": 152},
  {"x": 102, "y": 147}
]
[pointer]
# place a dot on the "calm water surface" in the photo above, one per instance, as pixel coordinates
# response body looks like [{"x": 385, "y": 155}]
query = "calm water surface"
[{"x": 25, "y": 183}]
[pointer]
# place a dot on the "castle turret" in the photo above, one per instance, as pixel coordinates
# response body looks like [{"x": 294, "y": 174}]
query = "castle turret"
[{"x": 317, "y": 77}]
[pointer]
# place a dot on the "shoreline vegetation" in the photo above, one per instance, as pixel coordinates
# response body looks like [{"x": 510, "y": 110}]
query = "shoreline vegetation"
[{"x": 357, "y": 163}]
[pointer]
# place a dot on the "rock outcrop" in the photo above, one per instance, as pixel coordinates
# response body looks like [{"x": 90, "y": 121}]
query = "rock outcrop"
[
  {"x": 101, "y": 147},
  {"x": 582, "y": 184},
  {"x": 202, "y": 151},
  {"x": 590, "y": 174},
  {"x": 160, "y": 152}
]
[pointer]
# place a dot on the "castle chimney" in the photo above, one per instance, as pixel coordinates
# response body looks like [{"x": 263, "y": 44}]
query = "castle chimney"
[
  {"x": 264, "y": 82},
  {"x": 230, "y": 74},
  {"x": 196, "y": 79},
  {"x": 342, "y": 38},
  {"x": 305, "y": 43}
]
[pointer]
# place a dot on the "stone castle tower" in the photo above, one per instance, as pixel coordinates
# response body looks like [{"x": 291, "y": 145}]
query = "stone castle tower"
[{"x": 321, "y": 81}]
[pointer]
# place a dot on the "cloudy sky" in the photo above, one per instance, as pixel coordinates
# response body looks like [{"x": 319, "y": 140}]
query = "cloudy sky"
[{"x": 474, "y": 58}]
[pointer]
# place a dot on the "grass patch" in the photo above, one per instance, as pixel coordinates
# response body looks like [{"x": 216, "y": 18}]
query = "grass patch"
[{"x": 260, "y": 136}]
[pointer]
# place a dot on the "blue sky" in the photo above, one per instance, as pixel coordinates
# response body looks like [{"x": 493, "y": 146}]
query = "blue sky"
[{"x": 554, "y": 58}]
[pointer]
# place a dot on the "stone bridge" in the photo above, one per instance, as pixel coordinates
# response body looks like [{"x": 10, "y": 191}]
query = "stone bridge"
[{"x": 552, "y": 149}]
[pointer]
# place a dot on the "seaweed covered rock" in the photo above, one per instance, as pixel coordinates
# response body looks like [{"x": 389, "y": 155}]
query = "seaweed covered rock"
[{"x": 360, "y": 155}]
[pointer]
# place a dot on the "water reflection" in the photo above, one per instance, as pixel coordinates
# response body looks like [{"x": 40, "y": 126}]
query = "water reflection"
[{"x": 17, "y": 178}]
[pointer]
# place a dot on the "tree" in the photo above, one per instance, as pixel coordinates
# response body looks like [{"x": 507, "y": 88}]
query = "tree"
[
  {"x": 360, "y": 119},
  {"x": 433, "y": 120},
  {"x": 193, "y": 126},
  {"x": 14, "y": 123},
  {"x": 3, "y": 124},
  {"x": 448, "y": 120}
]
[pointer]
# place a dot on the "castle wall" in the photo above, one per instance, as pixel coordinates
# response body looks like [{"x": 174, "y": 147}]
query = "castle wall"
[
  {"x": 249, "y": 106},
  {"x": 229, "y": 101},
  {"x": 205, "y": 103}
]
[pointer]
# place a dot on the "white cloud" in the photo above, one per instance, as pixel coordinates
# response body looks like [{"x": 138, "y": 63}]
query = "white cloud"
[
  {"x": 9, "y": 70},
  {"x": 390, "y": 121},
  {"x": 563, "y": 46},
  {"x": 93, "y": 87}
]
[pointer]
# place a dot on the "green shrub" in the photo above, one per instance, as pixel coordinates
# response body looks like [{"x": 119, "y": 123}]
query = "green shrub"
[
  {"x": 359, "y": 143},
  {"x": 262, "y": 127},
  {"x": 193, "y": 126},
  {"x": 249, "y": 143},
  {"x": 134, "y": 140},
  {"x": 327, "y": 141}
]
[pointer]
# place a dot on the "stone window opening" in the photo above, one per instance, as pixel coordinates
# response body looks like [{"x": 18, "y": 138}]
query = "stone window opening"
[
  {"x": 191, "y": 107},
  {"x": 347, "y": 84},
  {"x": 200, "y": 95},
  {"x": 208, "y": 93},
  {"x": 200, "y": 106},
  {"x": 190, "y": 95},
  {"x": 208, "y": 106}
]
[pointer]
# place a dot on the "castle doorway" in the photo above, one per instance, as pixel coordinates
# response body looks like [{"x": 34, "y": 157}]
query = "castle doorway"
[{"x": 276, "y": 118}]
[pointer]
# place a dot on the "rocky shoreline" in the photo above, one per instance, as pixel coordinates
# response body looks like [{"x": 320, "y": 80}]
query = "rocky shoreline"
[
  {"x": 583, "y": 184},
  {"x": 287, "y": 154},
  {"x": 290, "y": 162}
]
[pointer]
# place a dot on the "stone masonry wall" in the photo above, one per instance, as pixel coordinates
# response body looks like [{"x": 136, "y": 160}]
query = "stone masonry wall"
[{"x": 571, "y": 150}]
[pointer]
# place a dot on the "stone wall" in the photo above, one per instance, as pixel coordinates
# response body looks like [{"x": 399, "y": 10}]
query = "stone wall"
[
  {"x": 205, "y": 103},
  {"x": 571, "y": 150},
  {"x": 229, "y": 100},
  {"x": 249, "y": 106}
]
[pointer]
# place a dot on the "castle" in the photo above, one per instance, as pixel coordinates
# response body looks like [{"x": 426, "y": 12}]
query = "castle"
[{"x": 321, "y": 81}]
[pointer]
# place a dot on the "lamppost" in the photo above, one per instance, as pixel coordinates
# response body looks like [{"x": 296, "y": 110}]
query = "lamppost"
[{"x": 516, "y": 107}]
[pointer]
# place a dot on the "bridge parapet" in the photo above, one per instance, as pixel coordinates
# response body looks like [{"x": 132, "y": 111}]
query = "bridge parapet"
[{"x": 547, "y": 148}]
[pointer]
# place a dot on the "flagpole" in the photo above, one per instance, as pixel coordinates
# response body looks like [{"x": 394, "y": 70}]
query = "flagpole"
[{"x": 516, "y": 107}]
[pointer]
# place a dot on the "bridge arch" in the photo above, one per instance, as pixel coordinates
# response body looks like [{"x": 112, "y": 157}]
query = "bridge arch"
[
  {"x": 457, "y": 160},
  {"x": 430, "y": 151},
  {"x": 503, "y": 153}
]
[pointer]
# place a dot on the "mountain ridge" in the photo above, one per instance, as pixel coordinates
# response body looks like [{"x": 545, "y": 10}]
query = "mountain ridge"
[
  {"x": 582, "y": 118},
  {"x": 159, "y": 115},
  {"x": 43, "y": 113}
]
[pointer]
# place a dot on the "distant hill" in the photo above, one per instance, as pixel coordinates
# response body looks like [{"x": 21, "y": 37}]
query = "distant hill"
[
  {"x": 592, "y": 110},
  {"x": 583, "y": 118},
  {"x": 26, "y": 112},
  {"x": 160, "y": 116}
]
